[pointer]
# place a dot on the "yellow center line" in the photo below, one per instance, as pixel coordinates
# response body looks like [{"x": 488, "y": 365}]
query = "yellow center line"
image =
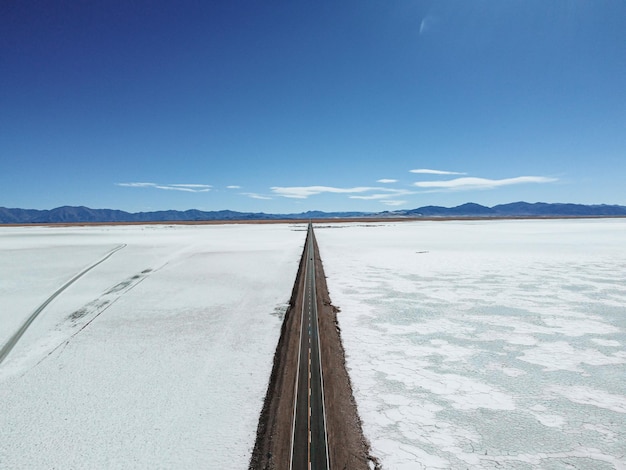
[{"x": 309, "y": 417}]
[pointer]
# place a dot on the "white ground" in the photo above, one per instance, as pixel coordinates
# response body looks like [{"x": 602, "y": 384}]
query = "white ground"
[
  {"x": 158, "y": 358},
  {"x": 491, "y": 344}
]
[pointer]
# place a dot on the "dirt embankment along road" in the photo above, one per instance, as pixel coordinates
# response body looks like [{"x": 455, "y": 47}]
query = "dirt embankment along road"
[{"x": 347, "y": 447}]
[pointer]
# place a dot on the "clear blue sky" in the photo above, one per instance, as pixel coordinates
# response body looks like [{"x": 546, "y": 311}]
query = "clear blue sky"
[{"x": 286, "y": 106}]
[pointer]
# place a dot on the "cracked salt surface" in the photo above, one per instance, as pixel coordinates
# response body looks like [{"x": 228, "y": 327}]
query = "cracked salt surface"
[{"x": 485, "y": 344}]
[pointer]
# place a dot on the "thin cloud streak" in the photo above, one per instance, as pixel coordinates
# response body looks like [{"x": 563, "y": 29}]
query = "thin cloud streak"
[
  {"x": 257, "y": 196},
  {"x": 386, "y": 181},
  {"x": 471, "y": 183},
  {"x": 136, "y": 185},
  {"x": 428, "y": 24},
  {"x": 303, "y": 192},
  {"x": 372, "y": 197},
  {"x": 192, "y": 186},
  {"x": 185, "y": 187},
  {"x": 388, "y": 195},
  {"x": 426, "y": 171}
]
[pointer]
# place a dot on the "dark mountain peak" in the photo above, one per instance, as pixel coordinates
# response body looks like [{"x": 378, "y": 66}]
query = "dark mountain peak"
[
  {"x": 471, "y": 205},
  {"x": 470, "y": 208}
]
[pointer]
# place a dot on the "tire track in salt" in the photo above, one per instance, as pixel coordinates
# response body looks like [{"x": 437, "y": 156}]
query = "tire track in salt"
[{"x": 10, "y": 344}]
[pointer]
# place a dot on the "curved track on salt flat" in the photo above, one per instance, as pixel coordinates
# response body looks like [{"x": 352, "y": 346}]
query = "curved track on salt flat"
[{"x": 8, "y": 347}]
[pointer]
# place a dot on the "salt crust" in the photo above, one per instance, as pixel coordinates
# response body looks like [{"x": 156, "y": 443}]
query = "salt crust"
[
  {"x": 485, "y": 343},
  {"x": 158, "y": 358}
]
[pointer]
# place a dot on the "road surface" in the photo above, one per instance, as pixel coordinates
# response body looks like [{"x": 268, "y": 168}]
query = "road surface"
[{"x": 309, "y": 444}]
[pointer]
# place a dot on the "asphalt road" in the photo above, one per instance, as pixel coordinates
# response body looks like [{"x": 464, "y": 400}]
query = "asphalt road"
[{"x": 309, "y": 444}]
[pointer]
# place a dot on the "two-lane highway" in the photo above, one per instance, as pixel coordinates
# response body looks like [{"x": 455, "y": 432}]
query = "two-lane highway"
[
  {"x": 309, "y": 419},
  {"x": 309, "y": 444}
]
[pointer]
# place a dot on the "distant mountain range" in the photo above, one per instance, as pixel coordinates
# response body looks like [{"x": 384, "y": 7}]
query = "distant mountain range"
[{"x": 69, "y": 214}]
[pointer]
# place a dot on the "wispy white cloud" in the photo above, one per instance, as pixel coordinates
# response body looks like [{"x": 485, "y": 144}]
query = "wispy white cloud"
[
  {"x": 136, "y": 185},
  {"x": 426, "y": 171},
  {"x": 470, "y": 183},
  {"x": 387, "y": 195},
  {"x": 393, "y": 202},
  {"x": 183, "y": 188},
  {"x": 427, "y": 24},
  {"x": 372, "y": 197},
  {"x": 256, "y": 196},
  {"x": 386, "y": 181},
  {"x": 186, "y": 187},
  {"x": 233, "y": 186},
  {"x": 192, "y": 186},
  {"x": 384, "y": 195},
  {"x": 303, "y": 192}
]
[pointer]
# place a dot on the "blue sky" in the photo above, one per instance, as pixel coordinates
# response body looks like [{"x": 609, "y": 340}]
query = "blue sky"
[{"x": 287, "y": 106}]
